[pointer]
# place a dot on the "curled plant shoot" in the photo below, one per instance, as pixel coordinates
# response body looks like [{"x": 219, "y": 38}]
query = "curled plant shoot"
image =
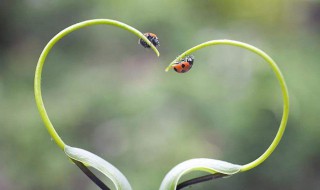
[
  {"x": 216, "y": 168},
  {"x": 80, "y": 157},
  {"x": 219, "y": 168}
]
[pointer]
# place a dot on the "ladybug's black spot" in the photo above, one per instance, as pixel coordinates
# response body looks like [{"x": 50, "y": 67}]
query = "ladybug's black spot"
[
  {"x": 175, "y": 69},
  {"x": 144, "y": 43},
  {"x": 153, "y": 39},
  {"x": 183, "y": 65}
]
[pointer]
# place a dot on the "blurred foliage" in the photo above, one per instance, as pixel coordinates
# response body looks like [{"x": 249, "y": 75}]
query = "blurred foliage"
[{"x": 106, "y": 94}]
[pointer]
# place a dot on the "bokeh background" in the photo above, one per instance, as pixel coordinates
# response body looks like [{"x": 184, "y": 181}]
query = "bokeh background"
[{"x": 107, "y": 94}]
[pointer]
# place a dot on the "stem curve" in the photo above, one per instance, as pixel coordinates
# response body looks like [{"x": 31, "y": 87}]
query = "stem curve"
[
  {"x": 280, "y": 78},
  {"x": 45, "y": 52}
]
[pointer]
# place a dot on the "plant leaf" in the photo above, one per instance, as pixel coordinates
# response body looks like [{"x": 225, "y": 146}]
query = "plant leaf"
[
  {"x": 171, "y": 180},
  {"x": 92, "y": 160}
]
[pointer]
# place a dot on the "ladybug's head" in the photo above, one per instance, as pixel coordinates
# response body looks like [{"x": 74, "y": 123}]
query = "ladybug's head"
[
  {"x": 153, "y": 39},
  {"x": 189, "y": 59}
]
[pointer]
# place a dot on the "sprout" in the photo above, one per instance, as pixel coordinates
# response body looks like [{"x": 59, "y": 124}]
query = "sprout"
[
  {"x": 216, "y": 168},
  {"x": 220, "y": 168}
]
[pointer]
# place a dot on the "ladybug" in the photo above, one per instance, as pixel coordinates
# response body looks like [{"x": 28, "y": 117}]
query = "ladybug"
[
  {"x": 152, "y": 38},
  {"x": 184, "y": 65}
]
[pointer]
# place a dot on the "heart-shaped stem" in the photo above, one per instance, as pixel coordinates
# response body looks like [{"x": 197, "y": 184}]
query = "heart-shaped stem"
[{"x": 279, "y": 76}]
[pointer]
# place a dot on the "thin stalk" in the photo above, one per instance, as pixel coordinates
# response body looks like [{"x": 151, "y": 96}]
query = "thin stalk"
[{"x": 281, "y": 81}]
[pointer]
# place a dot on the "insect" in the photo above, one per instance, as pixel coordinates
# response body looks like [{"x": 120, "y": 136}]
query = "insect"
[
  {"x": 184, "y": 65},
  {"x": 151, "y": 37}
]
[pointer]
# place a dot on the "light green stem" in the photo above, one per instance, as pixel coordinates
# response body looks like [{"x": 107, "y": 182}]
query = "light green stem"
[
  {"x": 46, "y": 50},
  {"x": 280, "y": 78}
]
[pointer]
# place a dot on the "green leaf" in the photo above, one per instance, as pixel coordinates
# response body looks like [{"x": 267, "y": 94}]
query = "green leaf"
[
  {"x": 92, "y": 160},
  {"x": 171, "y": 180}
]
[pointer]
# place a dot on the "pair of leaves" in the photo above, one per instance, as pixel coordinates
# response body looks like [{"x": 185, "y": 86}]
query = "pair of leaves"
[{"x": 171, "y": 180}]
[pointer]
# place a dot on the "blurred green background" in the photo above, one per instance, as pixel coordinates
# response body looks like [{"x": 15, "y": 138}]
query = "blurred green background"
[{"x": 107, "y": 94}]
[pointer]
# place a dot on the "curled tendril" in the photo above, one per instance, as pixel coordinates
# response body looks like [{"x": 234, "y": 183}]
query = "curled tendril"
[
  {"x": 219, "y": 167},
  {"x": 81, "y": 157}
]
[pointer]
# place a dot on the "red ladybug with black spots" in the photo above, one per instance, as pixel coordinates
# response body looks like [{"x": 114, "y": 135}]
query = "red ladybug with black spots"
[
  {"x": 184, "y": 65},
  {"x": 152, "y": 38}
]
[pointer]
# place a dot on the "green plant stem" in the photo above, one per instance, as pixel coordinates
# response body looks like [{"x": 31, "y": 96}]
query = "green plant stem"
[
  {"x": 199, "y": 180},
  {"x": 45, "y": 52},
  {"x": 91, "y": 175},
  {"x": 280, "y": 78}
]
